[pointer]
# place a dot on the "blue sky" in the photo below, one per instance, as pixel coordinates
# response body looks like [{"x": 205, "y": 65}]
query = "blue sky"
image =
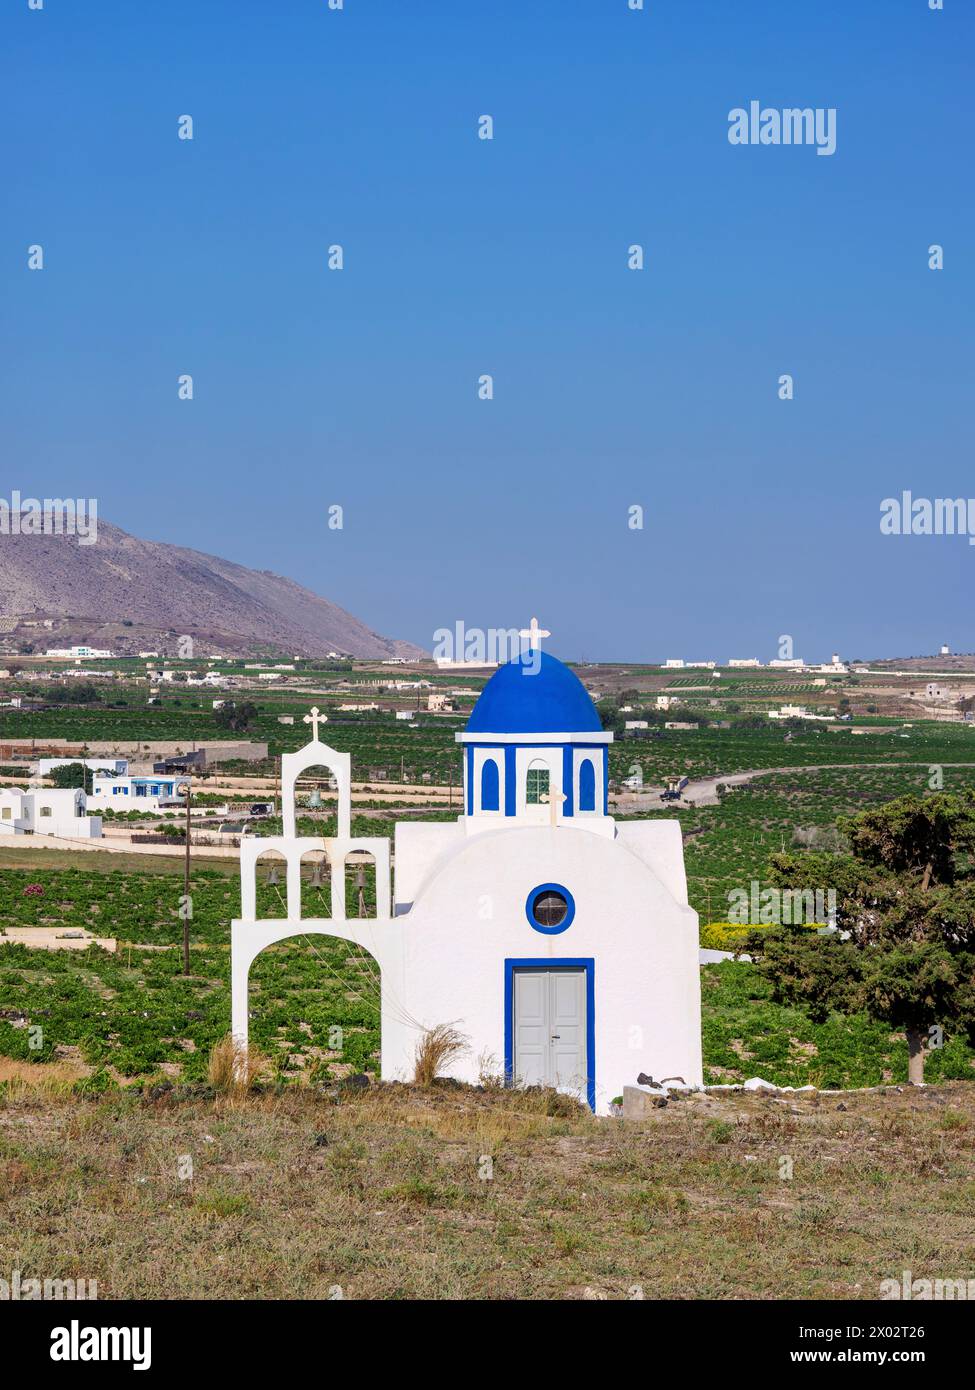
[{"x": 463, "y": 257}]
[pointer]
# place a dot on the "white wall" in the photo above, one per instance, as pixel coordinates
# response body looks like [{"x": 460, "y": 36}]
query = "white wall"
[{"x": 470, "y": 917}]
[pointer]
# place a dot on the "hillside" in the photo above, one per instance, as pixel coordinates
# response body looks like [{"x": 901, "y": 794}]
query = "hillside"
[{"x": 161, "y": 592}]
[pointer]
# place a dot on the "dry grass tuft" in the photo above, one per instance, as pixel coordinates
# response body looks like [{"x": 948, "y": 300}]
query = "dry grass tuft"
[
  {"x": 233, "y": 1068},
  {"x": 436, "y": 1049},
  {"x": 36, "y": 1078}
]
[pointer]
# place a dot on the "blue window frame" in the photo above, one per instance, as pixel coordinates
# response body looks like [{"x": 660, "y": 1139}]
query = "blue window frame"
[
  {"x": 545, "y": 921},
  {"x": 587, "y": 786},
  {"x": 490, "y": 786}
]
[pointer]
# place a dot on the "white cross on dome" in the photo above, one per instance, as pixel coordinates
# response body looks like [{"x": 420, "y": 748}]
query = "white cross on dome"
[{"x": 534, "y": 634}]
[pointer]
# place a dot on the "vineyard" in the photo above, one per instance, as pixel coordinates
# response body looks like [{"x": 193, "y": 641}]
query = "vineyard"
[
  {"x": 133, "y": 1015},
  {"x": 760, "y": 817},
  {"x": 134, "y": 1009},
  {"x": 709, "y": 752}
]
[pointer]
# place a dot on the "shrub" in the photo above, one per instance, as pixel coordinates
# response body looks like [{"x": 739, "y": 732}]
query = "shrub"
[
  {"x": 723, "y": 936},
  {"x": 436, "y": 1048},
  {"x": 233, "y": 1068}
]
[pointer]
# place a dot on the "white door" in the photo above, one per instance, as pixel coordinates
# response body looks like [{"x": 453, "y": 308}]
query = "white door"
[{"x": 549, "y": 1029}]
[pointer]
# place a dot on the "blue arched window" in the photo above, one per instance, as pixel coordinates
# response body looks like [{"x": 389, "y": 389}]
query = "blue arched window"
[
  {"x": 490, "y": 797},
  {"x": 587, "y": 786}
]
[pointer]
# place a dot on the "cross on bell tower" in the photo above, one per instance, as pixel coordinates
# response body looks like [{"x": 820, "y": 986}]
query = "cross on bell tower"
[
  {"x": 554, "y": 799},
  {"x": 314, "y": 719}
]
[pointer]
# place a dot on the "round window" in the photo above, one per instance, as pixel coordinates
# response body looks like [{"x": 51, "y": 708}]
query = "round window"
[{"x": 550, "y": 908}]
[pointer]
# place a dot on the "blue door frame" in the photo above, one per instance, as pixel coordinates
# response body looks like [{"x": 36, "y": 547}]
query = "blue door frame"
[{"x": 587, "y": 964}]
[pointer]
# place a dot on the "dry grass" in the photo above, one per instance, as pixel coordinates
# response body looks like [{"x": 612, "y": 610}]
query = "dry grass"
[
  {"x": 436, "y": 1049},
  {"x": 20, "y": 1079},
  {"x": 233, "y": 1068},
  {"x": 386, "y": 1192}
]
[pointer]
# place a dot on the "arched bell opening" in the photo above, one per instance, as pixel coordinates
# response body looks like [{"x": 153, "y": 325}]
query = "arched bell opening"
[
  {"x": 360, "y": 884},
  {"x": 271, "y": 877},
  {"x": 316, "y": 884},
  {"x": 316, "y": 797}
]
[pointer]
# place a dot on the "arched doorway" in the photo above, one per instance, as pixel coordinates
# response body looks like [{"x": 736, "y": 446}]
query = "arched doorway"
[{"x": 314, "y": 1008}]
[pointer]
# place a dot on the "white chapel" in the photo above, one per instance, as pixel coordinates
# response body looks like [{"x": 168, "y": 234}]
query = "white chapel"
[{"x": 557, "y": 940}]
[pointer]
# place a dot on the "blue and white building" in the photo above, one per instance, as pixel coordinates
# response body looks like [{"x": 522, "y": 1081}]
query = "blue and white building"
[
  {"x": 144, "y": 792},
  {"x": 558, "y": 941}
]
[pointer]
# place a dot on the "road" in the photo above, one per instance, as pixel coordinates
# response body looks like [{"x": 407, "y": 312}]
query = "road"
[{"x": 703, "y": 792}]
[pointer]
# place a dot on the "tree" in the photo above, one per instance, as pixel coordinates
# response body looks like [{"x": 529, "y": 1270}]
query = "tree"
[
  {"x": 609, "y": 714},
  {"x": 904, "y": 951},
  {"x": 83, "y": 693},
  {"x": 237, "y": 718},
  {"x": 72, "y": 775}
]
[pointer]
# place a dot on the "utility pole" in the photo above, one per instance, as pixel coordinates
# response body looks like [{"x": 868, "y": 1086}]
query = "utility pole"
[{"x": 185, "y": 790}]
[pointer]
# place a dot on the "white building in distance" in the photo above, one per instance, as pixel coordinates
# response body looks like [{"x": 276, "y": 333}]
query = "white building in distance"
[
  {"x": 47, "y": 812},
  {"x": 80, "y": 652},
  {"x": 798, "y": 712}
]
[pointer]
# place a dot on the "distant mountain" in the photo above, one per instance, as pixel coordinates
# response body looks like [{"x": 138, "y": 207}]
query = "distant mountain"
[{"x": 131, "y": 595}]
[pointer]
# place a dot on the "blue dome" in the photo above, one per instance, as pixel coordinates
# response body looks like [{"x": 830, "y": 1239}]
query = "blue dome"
[{"x": 521, "y": 698}]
